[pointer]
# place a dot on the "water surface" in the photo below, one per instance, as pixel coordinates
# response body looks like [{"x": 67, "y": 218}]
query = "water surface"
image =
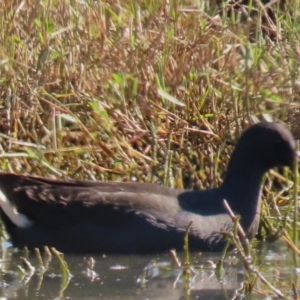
[{"x": 144, "y": 276}]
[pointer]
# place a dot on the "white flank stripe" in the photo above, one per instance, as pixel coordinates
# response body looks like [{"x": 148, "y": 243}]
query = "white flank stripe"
[{"x": 18, "y": 219}]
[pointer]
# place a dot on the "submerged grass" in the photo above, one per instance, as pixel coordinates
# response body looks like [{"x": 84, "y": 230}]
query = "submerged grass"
[{"x": 152, "y": 91}]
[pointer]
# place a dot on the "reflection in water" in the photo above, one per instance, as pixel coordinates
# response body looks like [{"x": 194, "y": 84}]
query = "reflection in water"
[{"x": 121, "y": 277}]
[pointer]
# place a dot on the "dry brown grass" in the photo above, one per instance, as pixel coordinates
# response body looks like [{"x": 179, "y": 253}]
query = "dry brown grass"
[{"x": 135, "y": 90}]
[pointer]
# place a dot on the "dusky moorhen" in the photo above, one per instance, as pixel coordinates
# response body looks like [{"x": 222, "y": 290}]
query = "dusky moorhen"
[{"x": 122, "y": 217}]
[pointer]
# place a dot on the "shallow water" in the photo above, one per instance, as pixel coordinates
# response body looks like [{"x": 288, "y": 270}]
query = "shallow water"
[{"x": 144, "y": 277}]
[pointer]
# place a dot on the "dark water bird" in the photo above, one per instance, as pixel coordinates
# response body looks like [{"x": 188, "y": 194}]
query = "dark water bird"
[{"x": 119, "y": 217}]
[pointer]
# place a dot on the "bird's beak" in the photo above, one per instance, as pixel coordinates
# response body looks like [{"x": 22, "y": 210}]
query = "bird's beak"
[{"x": 298, "y": 156}]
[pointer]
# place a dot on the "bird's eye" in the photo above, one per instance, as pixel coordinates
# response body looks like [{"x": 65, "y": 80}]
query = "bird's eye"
[{"x": 279, "y": 142}]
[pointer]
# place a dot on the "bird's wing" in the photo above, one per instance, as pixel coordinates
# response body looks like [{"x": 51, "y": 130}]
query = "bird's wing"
[{"x": 62, "y": 203}]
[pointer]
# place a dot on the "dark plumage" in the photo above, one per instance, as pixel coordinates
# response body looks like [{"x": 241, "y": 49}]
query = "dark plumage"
[{"x": 117, "y": 217}]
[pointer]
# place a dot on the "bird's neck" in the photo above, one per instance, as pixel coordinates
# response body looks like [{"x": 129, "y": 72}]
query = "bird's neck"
[{"x": 241, "y": 188}]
